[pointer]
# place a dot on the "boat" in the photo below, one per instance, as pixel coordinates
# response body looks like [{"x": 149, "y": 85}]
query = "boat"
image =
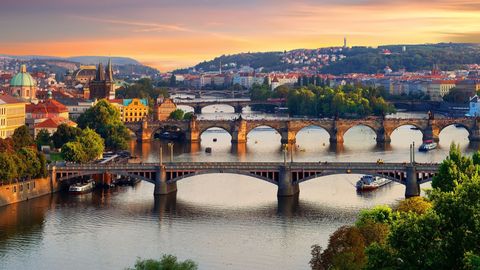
[
  {"x": 127, "y": 181},
  {"x": 370, "y": 182},
  {"x": 427, "y": 146},
  {"x": 208, "y": 150},
  {"x": 82, "y": 187}
]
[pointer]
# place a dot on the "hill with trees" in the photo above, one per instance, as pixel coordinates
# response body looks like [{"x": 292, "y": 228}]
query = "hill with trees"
[{"x": 447, "y": 56}]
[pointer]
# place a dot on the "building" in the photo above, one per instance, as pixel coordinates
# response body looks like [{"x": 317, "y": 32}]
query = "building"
[
  {"x": 76, "y": 106},
  {"x": 84, "y": 75},
  {"x": 51, "y": 125},
  {"x": 103, "y": 85},
  {"x": 437, "y": 89},
  {"x": 468, "y": 88},
  {"x": 38, "y": 113},
  {"x": 164, "y": 108},
  {"x": 12, "y": 115},
  {"x": 474, "y": 108},
  {"x": 134, "y": 109},
  {"x": 23, "y": 85}
]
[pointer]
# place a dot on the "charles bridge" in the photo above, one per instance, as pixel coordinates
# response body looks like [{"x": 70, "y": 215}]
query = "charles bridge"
[
  {"x": 285, "y": 175},
  {"x": 288, "y": 128},
  {"x": 237, "y": 104}
]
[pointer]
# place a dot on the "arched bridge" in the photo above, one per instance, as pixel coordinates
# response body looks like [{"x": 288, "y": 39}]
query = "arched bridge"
[
  {"x": 289, "y": 127},
  {"x": 237, "y": 104},
  {"x": 287, "y": 176}
]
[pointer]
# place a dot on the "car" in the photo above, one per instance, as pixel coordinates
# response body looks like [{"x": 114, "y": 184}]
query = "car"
[{"x": 380, "y": 161}]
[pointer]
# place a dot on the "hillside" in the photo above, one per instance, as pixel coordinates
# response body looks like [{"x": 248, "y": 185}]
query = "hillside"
[{"x": 337, "y": 60}]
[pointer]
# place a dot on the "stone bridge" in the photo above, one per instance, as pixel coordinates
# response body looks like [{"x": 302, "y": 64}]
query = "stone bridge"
[
  {"x": 286, "y": 176},
  {"x": 237, "y": 104},
  {"x": 289, "y": 127}
]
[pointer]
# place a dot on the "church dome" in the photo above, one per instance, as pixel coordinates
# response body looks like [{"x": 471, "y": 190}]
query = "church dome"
[{"x": 23, "y": 78}]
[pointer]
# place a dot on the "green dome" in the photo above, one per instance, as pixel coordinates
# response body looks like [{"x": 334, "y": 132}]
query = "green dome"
[{"x": 23, "y": 78}]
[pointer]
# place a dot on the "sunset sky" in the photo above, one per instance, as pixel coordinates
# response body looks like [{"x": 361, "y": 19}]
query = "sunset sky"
[{"x": 167, "y": 34}]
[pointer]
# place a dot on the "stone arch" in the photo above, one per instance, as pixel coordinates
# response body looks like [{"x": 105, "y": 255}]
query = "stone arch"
[
  {"x": 456, "y": 124},
  {"x": 212, "y": 171},
  {"x": 186, "y": 105},
  {"x": 328, "y": 130},
  {"x": 342, "y": 131},
  {"x": 217, "y": 104},
  {"x": 205, "y": 128},
  {"x": 359, "y": 173},
  {"x": 252, "y": 126},
  {"x": 419, "y": 128}
]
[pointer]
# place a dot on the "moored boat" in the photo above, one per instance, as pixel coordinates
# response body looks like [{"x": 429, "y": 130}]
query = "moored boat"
[
  {"x": 82, "y": 187},
  {"x": 427, "y": 146},
  {"x": 370, "y": 182}
]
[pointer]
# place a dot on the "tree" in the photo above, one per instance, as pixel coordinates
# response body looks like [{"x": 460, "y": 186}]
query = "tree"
[
  {"x": 33, "y": 167},
  {"x": 260, "y": 92},
  {"x": 64, "y": 134},
  {"x": 378, "y": 214},
  {"x": 43, "y": 138},
  {"x": 178, "y": 114},
  {"x": 21, "y": 137},
  {"x": 92, "y": 144},
  {"x": 418, "y": 205},
  {"x": 9, "y": 169},
  {"x": 74, "y": 152},
  {"x": 104, "y": 119},
  {"x": 167, "y": 262},
  {"x": 188, "y": 116}
]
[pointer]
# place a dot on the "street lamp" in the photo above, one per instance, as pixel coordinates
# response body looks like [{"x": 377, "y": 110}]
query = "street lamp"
[
  {"x": 285, "y": 150},
  {"x": 161, "y": 155},
  {"x": 170, "y": 145}
]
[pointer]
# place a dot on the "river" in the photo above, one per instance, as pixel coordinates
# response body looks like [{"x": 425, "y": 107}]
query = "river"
[{"x": 221, "y": 221}]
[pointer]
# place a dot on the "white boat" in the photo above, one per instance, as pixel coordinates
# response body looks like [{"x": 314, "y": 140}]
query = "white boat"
[
  {"x": 82, "y": 187},
  {"x": 370, "y": 182},
  {"x": 427, "y": 146}
]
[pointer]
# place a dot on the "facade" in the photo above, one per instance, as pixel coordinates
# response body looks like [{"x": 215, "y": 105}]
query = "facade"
[
  {"x": 134, "y": 109},
  {"x": 474, "y": 108},
  {"x": 103, "y": 85},
  {"x": 12, "y": 115},
  {"x": 437, "y": 89},
  {"x": 23, "y": 85},
  {"x": 84, "y": 75},
  {"x": 164, "y": 108},
  {"x": 42, "y": 111},
  {"x": 76, "y": 106}
]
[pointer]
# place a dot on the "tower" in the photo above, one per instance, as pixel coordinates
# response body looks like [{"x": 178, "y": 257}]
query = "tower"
[
  {"x": 103, "y": 85},
  {"x": 344, "y": 42}
]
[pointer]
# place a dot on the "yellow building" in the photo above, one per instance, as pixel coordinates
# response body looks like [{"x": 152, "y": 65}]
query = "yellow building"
[
  {"x": 131, "y": 110},
  {"x": 165, "y": 108},
  {"x": 12, "y": 115}
]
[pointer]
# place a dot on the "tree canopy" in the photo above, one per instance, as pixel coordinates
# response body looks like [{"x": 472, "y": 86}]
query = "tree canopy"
[
  {"x": 105, "y": 120},
  {"x": 167, "y": 262},
  {"x": 87, "y": 147}
]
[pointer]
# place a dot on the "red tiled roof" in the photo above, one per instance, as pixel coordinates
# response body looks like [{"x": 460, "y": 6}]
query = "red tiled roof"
[
  {"x": 9, "y": 99},
  {"x": 55, "y": 122},
  {"x": 49, "y": 106}
]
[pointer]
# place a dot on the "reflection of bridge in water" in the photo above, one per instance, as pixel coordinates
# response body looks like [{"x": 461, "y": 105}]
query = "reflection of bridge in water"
[
  {"x": 288, "y": 128},
  {"x": 286, "y": 176}
]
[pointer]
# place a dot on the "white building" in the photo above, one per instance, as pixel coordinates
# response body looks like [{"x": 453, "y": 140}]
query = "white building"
[{"x": 474, "y": 110}]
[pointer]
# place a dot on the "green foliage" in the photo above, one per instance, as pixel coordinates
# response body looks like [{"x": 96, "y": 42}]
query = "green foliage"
[
  {"x": 454, "y": 170},
  {"x": 188, "y": 116},
  {"x": 260, "y": 92},
  {"x": 74, "y": 152},
  {"x": 105, "y": 120},
  {"x": 64, "y": 134},
  {"x": 178, "y": 114},
  {"x": 471, "y": 261},
  {"x": 87, "y": 147},
  {"x": 167, "y": 262},
  {"x": 9, "y": 167},
  {"x": 30, "y": 160},
  {"x": 143, "y": 88},
  {"x": 378, "y": 214},
  {"x": 43, "y": 138},
  {"x": 21, "y": 137},
  {"x": 456, "y": 95}
]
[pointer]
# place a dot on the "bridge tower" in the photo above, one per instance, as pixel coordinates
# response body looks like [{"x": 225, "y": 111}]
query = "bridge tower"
[
  {"x": 161, "y": 185},
  {"x": 286, "y": 187}
]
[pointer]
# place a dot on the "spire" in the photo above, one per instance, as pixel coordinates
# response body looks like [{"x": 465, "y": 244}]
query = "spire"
[
  {"x": 109, "y": 70},
  {"x": 100, "y": 73}
]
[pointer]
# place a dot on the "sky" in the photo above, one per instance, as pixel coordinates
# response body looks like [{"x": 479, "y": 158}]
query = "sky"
[{"x": 168, "y": 34}]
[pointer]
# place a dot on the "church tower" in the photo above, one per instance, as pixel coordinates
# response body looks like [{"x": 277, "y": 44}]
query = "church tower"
[{"x": 103, "y": 86}]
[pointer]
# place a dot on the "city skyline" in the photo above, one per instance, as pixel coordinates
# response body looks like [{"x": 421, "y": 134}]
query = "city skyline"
[{"x": 172, "y": 34}]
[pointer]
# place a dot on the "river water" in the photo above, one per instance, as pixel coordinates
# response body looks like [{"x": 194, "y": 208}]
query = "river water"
[{"x": 221, "y": 221}]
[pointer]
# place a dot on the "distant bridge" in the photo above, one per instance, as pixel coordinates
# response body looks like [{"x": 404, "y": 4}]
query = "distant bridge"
[
  {"x": 237, "y": 104},
  {"x": 288, "y": 128},
  {"x": 287, "y": 176}
]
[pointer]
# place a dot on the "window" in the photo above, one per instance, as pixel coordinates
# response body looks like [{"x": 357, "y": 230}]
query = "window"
[
  {"x": 28, "y": 186},
  {"x": 21, "y": 187},
  {"x": 14, "y": 189},
  {"x": 33, "y": 185}
]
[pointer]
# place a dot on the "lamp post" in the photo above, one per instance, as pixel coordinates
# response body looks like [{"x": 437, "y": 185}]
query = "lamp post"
[
  {"x": 161, "y": 155},
  {"x": 291, "y": 153},
  {"x": 170, "y": 145}
]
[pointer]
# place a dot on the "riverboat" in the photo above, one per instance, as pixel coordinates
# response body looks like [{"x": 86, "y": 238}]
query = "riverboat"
[
  {"x": 82, "y": 187},
  {"x": 370, "y": 182},
  {"x": 427, "y": 146}
]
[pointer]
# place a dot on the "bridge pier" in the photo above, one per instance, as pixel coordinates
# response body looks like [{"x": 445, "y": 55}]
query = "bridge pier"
[
  {"x": 161, "y": 185},
  {"x": 286, "y": 187},
  {"x": 474, "y": 133},
  {"x": 412, "y": 187},
  {"x": 383, "y": 137},
  {"x": 197, "y": 109},
  {"x": 288, "y": 137},
  {"x": 238, "y": 109}
]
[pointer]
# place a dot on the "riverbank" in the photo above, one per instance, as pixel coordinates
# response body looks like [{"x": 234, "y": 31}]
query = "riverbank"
[{"x": 25, "y": 190}]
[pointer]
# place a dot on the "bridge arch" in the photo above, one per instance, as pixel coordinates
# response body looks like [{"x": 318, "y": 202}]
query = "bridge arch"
[
  {"x": 319, "y": 127},
  {"x": 252, "y": 126},
  {"x": 230, "y": 106},
  {"x": 210, "y": 127},
  {"x": 418, "y": 128},
  {"x": 215, "y": 171}
]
